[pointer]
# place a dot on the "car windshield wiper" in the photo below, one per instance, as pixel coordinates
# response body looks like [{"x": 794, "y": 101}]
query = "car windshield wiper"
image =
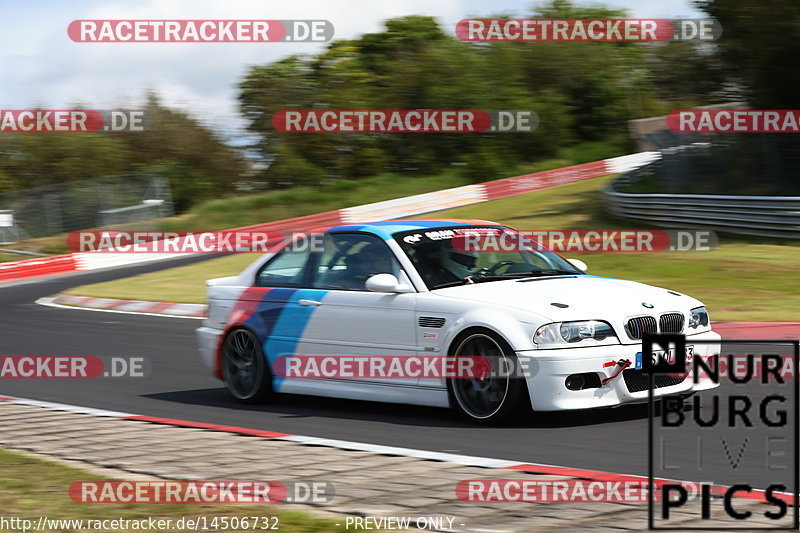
[
  {"x": 471, "y": 280},
  {"x": 477, "y": 278},
  {"x": 450, "y": 284},
  {"x": 555, "y": 272},
  {"x": 509, "y": 275}
]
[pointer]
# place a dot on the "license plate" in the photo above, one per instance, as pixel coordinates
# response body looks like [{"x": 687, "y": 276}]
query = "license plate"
[{"x": 670, "y": 356}]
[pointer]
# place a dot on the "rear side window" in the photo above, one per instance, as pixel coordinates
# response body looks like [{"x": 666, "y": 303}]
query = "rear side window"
[
  {"x": 287, "y": 269},
  {"x": 349, "y": 259}
]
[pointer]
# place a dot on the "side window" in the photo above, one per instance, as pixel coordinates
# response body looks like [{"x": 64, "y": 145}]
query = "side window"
[
  {"x": 348, "y": 259},
  {"x": 287, "y": 269}
]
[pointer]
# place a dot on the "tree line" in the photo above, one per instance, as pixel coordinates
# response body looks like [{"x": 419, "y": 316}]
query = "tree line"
[{"x": 582, "y": 92}]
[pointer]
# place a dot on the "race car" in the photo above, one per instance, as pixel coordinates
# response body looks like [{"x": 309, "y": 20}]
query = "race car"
[{"x": 413, "y": 290}]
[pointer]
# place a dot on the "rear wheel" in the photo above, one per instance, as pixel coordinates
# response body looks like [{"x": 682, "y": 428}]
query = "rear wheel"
[
  {"x": 244, "y": 367},
  {"x": 493, "y": 398}
]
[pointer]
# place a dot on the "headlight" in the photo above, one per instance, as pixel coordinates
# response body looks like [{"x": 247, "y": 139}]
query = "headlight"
[
  {"x": 561, "y": 333},
  {"x": 698, "y": 318}
]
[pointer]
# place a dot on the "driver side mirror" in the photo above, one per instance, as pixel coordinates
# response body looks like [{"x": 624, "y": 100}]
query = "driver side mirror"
[
  {"x": 577, "y": 263},
  {"x": 385, "y": 283}
]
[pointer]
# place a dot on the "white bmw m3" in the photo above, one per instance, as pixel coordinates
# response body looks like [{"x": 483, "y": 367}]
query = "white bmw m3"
[{"x": 407, "y": 289}]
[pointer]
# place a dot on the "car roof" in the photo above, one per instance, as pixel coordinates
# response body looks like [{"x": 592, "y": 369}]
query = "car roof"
[{"x": 387, "y": 228}]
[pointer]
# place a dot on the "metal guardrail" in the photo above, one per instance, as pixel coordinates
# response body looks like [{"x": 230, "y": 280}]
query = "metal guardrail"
[{"x": 768, "y": 216}]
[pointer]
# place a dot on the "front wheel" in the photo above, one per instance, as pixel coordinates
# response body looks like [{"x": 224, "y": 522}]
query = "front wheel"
[
  {"x": 244, "y": 367},
  {"x": 495, "y": 397}
]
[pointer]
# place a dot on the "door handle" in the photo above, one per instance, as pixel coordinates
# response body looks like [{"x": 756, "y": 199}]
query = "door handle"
[{"x": 303, "y": 301}]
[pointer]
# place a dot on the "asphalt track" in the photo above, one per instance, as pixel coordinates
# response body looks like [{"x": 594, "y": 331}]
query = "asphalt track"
[{"x": 179, "y": 386}]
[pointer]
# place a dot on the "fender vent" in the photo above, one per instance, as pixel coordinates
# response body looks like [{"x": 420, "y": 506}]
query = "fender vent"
[{"x": 431, "y": 322}]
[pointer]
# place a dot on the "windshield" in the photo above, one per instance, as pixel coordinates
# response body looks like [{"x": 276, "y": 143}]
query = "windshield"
[{"x": 446, "y": 257}]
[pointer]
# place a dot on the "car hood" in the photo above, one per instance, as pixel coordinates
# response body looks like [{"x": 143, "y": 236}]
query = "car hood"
[{"x": 585, "y": 297}]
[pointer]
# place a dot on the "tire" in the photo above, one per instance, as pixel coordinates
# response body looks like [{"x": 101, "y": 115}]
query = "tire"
[
  {"x": 245, "y": 368},
  {"x": 488, "y": 401}
]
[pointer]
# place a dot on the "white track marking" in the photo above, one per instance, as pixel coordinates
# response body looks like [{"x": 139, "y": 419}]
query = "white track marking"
[
  {"x": 465, "y": 460},
  {"x": 48, "y": 301},
  {"x": 53, "y": 406},
  {"x": 380, "y": 449},
  {"x": 314, "y": 441}
]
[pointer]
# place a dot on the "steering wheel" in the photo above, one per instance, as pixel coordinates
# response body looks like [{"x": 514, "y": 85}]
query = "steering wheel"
[{"x": 494, "y": 268}]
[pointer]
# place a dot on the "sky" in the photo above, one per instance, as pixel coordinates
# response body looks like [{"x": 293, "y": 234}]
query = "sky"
[{"x": 40, "y": 66}]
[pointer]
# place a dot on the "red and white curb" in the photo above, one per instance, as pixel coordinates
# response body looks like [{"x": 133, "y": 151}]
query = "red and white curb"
[
  {"x": 463, "y": 460},
  {"x": 386, "y": 210},
  {"x": 758, "y": 330},
  {"x": 132, "y": 307}
]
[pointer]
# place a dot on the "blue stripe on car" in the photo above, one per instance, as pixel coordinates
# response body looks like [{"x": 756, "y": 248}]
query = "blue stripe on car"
[{"x": 289, "y": 326}]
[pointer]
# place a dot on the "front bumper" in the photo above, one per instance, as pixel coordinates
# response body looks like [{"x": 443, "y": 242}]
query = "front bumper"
[{"x": 548, "y": 369}]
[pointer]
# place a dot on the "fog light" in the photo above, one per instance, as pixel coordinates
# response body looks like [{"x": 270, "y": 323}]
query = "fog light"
[
  {"x": 587, "y": 380},
  {"x": 575, "y": 382}
]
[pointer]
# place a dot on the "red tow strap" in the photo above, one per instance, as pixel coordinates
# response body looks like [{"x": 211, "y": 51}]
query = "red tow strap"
[{"x": 622, "y": 364}]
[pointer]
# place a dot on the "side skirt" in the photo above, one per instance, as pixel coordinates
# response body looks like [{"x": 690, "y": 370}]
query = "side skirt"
[{"x": 359, "y": 390}]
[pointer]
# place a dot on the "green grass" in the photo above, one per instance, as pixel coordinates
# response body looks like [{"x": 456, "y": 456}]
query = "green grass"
[
  {"x": 186, "y": 284},
  {"x": 269, "y": 206},
  {"x": 180, "y": 285},
  {"x": 31, "y": 487},
  {"x": 250, "y": 209},
  {"x": 55, "y": 245},
  {"x": 746, "y": 279},
  {"x": 299, "y": 201},
  {"x": 258, "y": 208},
  {"x": 4, "y": 257}
]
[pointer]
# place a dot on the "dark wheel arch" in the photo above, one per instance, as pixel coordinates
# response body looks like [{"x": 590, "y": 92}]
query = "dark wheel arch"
[{"x": 517, "y": 401}]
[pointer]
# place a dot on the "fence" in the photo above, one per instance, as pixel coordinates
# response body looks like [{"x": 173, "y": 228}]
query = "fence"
[
  {"x": 759, "y": 174},
  {"x": 767, "y": 216},
  {"x": 54, "y": 209}
]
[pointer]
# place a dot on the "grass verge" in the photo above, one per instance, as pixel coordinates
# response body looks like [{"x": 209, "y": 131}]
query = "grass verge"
[
  {"x": 184, "y": 284},
  {"x": 299, "y": 201},
  {"x": 742, "y": 279},
  {"x": 31, "y": 488},
  {"x": 258, "y": 208}
]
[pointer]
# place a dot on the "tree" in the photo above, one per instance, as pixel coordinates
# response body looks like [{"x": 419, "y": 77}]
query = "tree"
[
  {"x": 759, "y": 48},
  {"x": 199, "y": 164}
]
